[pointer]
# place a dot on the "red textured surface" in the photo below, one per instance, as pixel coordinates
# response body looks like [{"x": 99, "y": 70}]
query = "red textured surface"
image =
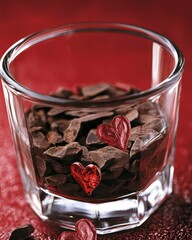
[{"x": 173, "y": 220}]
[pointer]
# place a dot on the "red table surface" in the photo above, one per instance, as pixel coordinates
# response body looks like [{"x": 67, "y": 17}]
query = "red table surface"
[{"x": 173, "y": 220}]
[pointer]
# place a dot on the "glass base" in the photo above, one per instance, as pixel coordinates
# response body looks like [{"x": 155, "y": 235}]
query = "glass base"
[{"x": 122, "y": 213}]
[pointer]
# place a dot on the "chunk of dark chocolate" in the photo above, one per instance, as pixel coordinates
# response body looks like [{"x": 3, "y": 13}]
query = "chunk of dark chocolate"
[
  {"x": 95, "y": 116},
  {"x": 67, "y": 153},
  {"x": 40, "y": 141},
  {"x": 143, "y": 142},
  {"x": 140, "y": 131},
  {"x": 108, "y": 157},
  {"x": 71, "y": 133},
  {"x": 150, "y": 108},
  {"x": 61, "y": 93},
  {"x": 54, "y": 137},
  {"x": 56, "y": 111},
  {"x": 22, "y": 232},
  {"x": 60, "y": 125},
  {"x": 132, "y": 115},
  {"x": 92, "y": 138},
  {"x": 56, "y": 179},
  {"x": 93, "y": 90}
]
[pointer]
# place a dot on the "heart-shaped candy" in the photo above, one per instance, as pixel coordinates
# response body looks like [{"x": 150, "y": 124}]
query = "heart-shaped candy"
[
  {"x": 84, "y": 230},
  {"x": 116, "y": 134},
  {"x": 87, "y": 177}
]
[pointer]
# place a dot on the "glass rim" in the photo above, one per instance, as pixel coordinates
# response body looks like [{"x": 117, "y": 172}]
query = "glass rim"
[{"x": 46, "y": 34}]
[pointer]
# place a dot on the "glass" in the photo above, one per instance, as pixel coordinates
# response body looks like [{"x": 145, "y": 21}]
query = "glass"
[{"x": 93, "y": 110}]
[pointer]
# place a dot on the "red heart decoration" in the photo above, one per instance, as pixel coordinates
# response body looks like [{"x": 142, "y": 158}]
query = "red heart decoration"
[
  {"x": 88, "y": 178},
  {"x": 116, "y": 134},
  {"x": 84, "y": 230}
]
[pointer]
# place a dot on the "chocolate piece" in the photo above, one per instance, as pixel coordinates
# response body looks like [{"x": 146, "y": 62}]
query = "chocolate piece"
[
  {"x": 157, "y": 124},
  {"x": 55, "y": 180},
  {"x": 124, "y": 86},
  {"x": 132, "y": 115},
  {"x": 124, "y": 110},
  {"x": 22, "y": 232},
  {"x": 56, "y": 111},
  {"x": 145, "y": 118},
  {"x": 75, "y": 113},
  {"x": 61, "y": 93},
  {"x": 54, "y": 137},
  {"x": 36, "y": 129},
  {"x": 115, "y": 92},
  {"x": 144, "y": 142},
  {"x": 72, "y": 131},
  {"x": 77, "y": 97},
  {"x": 41, "y": 165},
  {"x": 65, "y": 153},
  {"x": 58, "y": 167},
  {"x": 34, "y": 121},
  {"x": 94, "y": 90},
  {"x": 42, "y": 116},
  {"x": 60, "y": 125},
  {"x": 141, "y": 131},
  {"x": 40, "y": 141},
  {"x": 92, "y": 138},
  {"x": 95, "y": 116},
  {"x": 149, "y": 108},
  {"x": 110, "y": 175},
  {"x": 100, "y": 97},
  {"x": 108, "y": 157}
]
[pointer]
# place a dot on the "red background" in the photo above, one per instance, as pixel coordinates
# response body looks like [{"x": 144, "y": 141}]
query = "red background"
[{"x": 173, "y": 220}]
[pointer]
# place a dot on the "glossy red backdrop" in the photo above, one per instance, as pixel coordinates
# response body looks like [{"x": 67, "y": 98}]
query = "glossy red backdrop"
[{"x": 173, "y": 220}]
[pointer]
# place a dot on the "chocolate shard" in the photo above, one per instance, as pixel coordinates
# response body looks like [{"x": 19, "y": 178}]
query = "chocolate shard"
[
  {"x": 108, "y": 157},
  {"x": 34, "y": 121},
  {"x": 71, "y": 133},
  {"x": 144, "y": 142},
  {"x": 56, "y": 179},
  {"x": 54, "y": 137},
  {"x": 58, "y": 167},
  {"x": 158, "y": 124},
  {"x": 140, "y": 131},
  {"x": 145, "y": 118},
  {"x": 60, "y": 125},
  {"x": 126, "y": 87},
  {"x": 70, "y": 188},
  {"x": 132, "y": 115},
  {"x": 66, "y": 153},
  {"x": 93, "y": 90},
  {"x": 75, "y": 113},
  {"x": 61, "y": 93},
  {"x": 43, "y": 167},
  {"x": 100, "y": 98},
  {"x": 36, "y": 129},
  {"x": 92, "y": 138},
  {"x": 115, "y": 92},
  {"x": 77, "y": 97},
  {"x": 124, "y": 110},
  {"x": 40, "y": 141},
  {"x": 110, "y": 175},
  {"x": 95, "y": 116},
  {"x": 150, "y": 108},
  {"x": 56, "y": 111},
  {"x": 22, "y": 232}
]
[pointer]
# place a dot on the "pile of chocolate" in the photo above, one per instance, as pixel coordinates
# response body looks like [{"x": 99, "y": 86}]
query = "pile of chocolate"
[{"x": 62, "y": 135}]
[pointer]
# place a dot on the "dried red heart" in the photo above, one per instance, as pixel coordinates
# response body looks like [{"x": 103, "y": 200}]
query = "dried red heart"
[
  {"x": 69, "y": 236},
  {"x": 85, "y": 230},
  {"x": 116, "y": 134},
  {"x": 88, "y": 178}
]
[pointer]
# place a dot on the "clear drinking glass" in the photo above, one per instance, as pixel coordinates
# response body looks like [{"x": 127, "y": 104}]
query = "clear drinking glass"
[{"x": 93, "y": 110}]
